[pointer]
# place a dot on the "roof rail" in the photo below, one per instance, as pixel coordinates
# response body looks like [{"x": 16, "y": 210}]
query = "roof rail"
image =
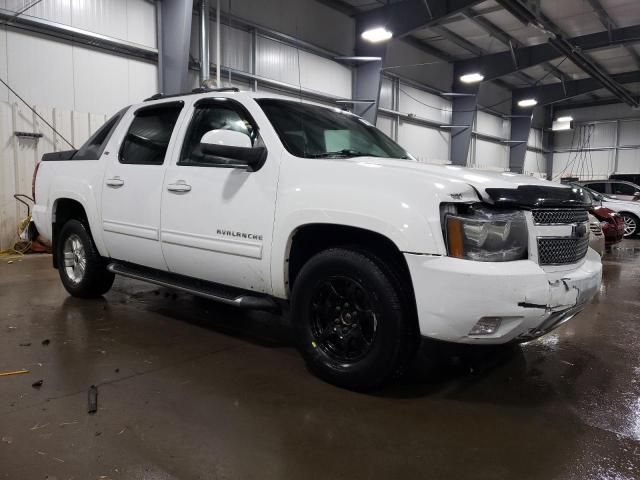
[{"x": 195, "y": 91}]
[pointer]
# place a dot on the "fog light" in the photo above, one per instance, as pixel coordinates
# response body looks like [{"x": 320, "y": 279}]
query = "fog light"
[{"x": 486, "y": 326}]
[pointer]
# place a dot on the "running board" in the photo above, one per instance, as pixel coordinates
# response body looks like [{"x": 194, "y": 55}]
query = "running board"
[{"x": 213, "y": 291}]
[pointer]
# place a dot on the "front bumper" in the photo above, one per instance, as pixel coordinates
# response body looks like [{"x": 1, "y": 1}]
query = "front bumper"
[{"x": 453, "y": 294}]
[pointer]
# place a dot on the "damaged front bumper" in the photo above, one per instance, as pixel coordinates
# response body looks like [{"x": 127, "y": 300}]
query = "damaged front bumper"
[{"x": 453, "y": 295}]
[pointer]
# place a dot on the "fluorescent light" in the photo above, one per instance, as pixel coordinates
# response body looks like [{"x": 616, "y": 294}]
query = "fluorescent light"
[
  {"x": 564, "y": 119},
  {"x": 472, "y": 78},
  {"x": 528, "y": 102},
  {"x": 376, "y": 35},
  {"x": 560, "y": 126}
]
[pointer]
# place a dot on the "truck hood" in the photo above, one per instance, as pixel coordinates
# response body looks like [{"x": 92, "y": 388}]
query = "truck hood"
[{"x": 503, "y": 188}]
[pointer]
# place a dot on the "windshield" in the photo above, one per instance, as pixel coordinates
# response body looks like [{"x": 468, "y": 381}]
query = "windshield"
[
  {"x": 311, "y": 131},
  {"x": 595, "y": 196}
]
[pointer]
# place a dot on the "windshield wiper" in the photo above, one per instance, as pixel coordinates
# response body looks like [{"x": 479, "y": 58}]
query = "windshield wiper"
[{"x": 346, "y": 152}]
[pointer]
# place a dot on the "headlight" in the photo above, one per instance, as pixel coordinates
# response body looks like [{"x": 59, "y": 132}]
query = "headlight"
[{"x": 486, "y": 235}]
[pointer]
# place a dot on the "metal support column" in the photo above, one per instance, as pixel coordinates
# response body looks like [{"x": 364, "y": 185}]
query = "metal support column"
[
  {"x": 615, "y": 163},
  {"x": 520, "y": 128},
  {"x": 204, "y": 42},
  {"x": 396, "y": 107},
  {"x": 368, "y": 79},
  {"x": 175, "y": 20},
  {"x": 254, "y": 58},
  {"x": 547, "y": 141},
  {"x": 464, "y": 108}
]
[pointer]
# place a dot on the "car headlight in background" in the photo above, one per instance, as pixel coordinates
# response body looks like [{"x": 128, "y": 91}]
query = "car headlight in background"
[{"x": 486, "y": 235}]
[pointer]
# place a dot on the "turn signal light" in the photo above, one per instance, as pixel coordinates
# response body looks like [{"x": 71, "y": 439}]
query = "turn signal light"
[{"x": 454, "y": 237}]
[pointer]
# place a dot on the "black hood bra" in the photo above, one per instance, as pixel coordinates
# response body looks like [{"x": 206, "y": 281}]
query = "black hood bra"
[{"x": 538, "y": 196}]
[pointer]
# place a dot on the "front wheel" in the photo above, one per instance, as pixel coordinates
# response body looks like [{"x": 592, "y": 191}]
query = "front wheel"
[
  {"x": 82, "y": 270},
  {"x": 631, "y": 224},
  {"x": 354, "y": 329}
]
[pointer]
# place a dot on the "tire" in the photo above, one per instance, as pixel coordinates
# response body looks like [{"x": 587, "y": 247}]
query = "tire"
[
  {"x": 94, "y": 279},
  {"x": 353, "y": 325},
  {"x": 631, "y": 224}
]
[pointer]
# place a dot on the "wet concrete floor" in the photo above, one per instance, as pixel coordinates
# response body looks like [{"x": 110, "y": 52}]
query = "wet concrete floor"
[{"x": 189, "y": 389}]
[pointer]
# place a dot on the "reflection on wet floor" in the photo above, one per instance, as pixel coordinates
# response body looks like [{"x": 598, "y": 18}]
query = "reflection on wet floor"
[{"x": 193, "y": 389}]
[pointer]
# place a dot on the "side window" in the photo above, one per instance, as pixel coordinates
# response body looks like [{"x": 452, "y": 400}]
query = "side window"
[
  {"x": 216, "y": 115},
  {"x": 598, "y": 187},
  {"x": 93, "y": 148},
  {"x": 622, "y": 189},
  {"x": 148, "y": 137}
]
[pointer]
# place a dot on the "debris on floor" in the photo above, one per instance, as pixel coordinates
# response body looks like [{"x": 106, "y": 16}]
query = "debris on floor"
[
  {"x": 37, "y": 384},
  {"x": 46, "y": 342},
  {"x": 93, "y": 400},
  {"x": 15, "y": 372}
]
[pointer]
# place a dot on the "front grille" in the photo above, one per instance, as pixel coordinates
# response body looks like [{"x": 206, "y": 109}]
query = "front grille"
[
  {"x": 561, "y": 251},
  {"x": 556, "y": 217}
]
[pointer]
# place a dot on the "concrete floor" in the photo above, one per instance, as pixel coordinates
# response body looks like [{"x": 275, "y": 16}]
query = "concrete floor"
[{"x": 192, "y": 390}]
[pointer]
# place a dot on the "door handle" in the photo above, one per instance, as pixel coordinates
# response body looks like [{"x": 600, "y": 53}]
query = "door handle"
[
  {"x": 115, "y": 182},
  {"x": 179, "y": 187}
]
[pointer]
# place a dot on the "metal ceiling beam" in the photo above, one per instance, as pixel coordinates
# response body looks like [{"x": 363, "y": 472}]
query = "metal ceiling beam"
[
  {"x": 556, "y": 92},
  {"x": 506, "y": 39},
  {"x": 527, "y": 16},
  {"x": 402, "y": 18},
  {"x": 609, "y": 23},
  {"x": 497, "y": 65}
]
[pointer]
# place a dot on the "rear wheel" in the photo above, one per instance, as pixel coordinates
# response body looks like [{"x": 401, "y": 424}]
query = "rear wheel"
[
  {"x": 354, "y": 329},
  {"x": 82, "y": 270},
  {"x": 631, "y": 224}
]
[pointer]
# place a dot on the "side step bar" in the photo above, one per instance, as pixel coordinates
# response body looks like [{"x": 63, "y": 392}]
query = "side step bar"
[{"x": 213, "y": 291}]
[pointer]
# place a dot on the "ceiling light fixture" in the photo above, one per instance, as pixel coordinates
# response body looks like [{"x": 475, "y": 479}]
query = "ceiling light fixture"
[
  {"x": 564, "y": 119},
  {"x": 528, "y": 102},
  {"x": 472, "y": 78},
  {"x": 377, "y": 35}
]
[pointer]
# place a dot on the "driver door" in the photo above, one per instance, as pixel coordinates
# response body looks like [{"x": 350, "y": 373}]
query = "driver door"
[{"x": 216, "y": 216}]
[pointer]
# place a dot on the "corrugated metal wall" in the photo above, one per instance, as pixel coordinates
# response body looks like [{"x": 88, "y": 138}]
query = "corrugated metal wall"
[
  {"x": 18, "y": 156},
  {"x": 596, "y": 150},
  {"x": 131, "y": 20},
  {"x": 53, "y": 72}
]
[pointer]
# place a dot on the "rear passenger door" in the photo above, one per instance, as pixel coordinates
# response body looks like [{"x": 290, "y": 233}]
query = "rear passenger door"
[
  {"x": 132, "y": 185},
  {"x": 624, "y": 191}
]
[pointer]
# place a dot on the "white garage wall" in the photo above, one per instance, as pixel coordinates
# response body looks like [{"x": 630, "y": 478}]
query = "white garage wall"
[
  {"x": 52, "y": 72},
  {"x": 490, "y": 155},
  {"x": 492, "y": 125},
  {"x": 534, "y": 160},
  {"x": 424, "y": 104},
  {"x": 385, "y": 124},
  {"x": 131, "y": 20},
  {"x": 428, "y": 145},
  {"x": 590, "y": 150},
  {"x": 19, "y": 155}
]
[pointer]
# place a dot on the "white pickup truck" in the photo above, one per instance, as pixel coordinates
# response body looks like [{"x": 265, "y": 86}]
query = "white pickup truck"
[{"x": 270, "y": 203}]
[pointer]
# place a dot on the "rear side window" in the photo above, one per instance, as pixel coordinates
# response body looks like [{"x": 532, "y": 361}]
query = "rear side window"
[
  {"x": 598, "y": 187},
  {"x": 148, "y": 136},
  {"x": 623, "y": 189},
  {"x": 93, "y": 148}
]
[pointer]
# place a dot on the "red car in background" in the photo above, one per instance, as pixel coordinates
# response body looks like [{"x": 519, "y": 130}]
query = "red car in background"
[{"x": 612, "y": 224}]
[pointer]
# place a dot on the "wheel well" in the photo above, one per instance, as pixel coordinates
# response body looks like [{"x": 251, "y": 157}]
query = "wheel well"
[
  {"x": 65, "y": 209},
  {"x": 311, "y": 239}
]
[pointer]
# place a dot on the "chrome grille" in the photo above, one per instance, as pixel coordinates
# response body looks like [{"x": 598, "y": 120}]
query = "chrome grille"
[
  {"x": 561, "y": 251},
  {"x": 557, "y": 217}
]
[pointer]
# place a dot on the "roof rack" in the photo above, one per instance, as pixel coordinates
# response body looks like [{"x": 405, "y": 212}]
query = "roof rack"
[{"x": 195, "y": 91}]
